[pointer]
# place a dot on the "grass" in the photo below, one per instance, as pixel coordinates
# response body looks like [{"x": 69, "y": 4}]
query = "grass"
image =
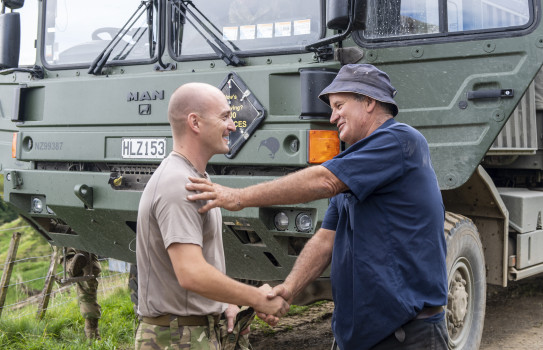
[
  {"x": 62, "y": 327},
  {"x": 295, "y": 310},
  {"x": 31, "y": 243},
  {"x": 32, "y": 271}
]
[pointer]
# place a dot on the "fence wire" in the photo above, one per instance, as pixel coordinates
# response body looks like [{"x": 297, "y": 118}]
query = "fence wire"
[
  {"x": 13, "y": 228},
  {"x": 66, "y": 297},
  {"x": 60, "y": 294}
]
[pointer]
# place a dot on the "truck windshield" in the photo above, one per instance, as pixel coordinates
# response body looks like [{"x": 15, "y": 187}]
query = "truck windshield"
[
  {"x": 394, "y": 18},
  {"x": 29, "y": 33},
  {"x": 245, "y": 25},
  {"x": 76, "y": 31}
]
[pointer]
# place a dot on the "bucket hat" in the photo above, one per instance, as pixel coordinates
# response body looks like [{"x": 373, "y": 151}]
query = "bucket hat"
[{"x": 363, "y": 79}]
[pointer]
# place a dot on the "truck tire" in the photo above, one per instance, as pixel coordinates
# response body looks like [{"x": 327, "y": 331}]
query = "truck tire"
[
  {"x": 133, "y": 286},
  {"x": 467, "y": 283}
]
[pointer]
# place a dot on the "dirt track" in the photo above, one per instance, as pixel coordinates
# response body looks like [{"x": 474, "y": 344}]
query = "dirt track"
[
  {"x": 514, "y": 321},
  {"x": 514, "y": 317}
]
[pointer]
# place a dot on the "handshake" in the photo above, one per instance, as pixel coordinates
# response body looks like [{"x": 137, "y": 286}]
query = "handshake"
[{"x": 273, "y": 303}]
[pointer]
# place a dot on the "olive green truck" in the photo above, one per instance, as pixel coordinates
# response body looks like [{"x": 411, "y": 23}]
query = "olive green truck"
[{"x": 84, "y": 89}]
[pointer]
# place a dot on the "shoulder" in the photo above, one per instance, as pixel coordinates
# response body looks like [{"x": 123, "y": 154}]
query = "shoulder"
[
  {"x": 172, "y": 176},
  {"x": 403, "y": 130},
  {"x": 401, "y": 134}
]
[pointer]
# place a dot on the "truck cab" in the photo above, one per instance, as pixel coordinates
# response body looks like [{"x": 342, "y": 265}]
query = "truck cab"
[{"x": 84, "y": 89}]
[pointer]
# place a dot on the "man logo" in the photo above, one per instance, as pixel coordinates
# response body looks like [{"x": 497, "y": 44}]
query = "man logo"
[
  {"x": 145, "y": 109},
  {"x": 145, "y": 96}
]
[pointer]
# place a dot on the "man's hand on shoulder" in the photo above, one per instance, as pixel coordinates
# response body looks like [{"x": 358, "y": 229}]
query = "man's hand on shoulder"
[{"x": 216, "y": 195}]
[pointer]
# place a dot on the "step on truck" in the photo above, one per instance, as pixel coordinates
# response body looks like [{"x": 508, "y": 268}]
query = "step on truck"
[{"x": 84, "y": 88}]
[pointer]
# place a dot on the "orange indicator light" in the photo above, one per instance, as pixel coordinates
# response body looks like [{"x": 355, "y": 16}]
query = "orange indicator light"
[
  {"x": 323, "y": 145},
  {"x": 14, "y": 146}
]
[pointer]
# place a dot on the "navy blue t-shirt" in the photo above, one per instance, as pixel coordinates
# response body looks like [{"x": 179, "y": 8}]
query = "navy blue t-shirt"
[{"x": 388, "y": 260}]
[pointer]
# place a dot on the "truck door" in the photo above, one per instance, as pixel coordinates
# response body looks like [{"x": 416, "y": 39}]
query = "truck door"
[
  {"x": 460, "y": 67},
  {"x": 10, "y": 84}
]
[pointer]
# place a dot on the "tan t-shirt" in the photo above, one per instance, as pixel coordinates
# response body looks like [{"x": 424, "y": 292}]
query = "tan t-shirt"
[{"x": 165, "y": 216}]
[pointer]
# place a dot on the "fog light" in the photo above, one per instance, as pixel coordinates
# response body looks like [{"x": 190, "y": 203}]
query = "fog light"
[
  {"x": 281, "y": 221},
  {"x": 304, "y": 223},
  {"x": 37, "y": 205}
]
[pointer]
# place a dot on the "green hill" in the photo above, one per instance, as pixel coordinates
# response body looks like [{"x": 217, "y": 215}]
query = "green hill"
[
  {"x": 32, "y": 244},
  {"x": 62, "y": 326}
]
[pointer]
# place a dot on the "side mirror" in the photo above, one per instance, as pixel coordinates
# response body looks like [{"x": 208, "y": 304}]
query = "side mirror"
[
  {"x": 338, "y": 13},
  {"x": 14, "y": 4},
  {"x": 10, "y": 40}
]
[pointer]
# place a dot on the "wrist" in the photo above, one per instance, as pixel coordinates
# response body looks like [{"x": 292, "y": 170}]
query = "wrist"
[
  {"x": 260, "y": 300},
  {"x": 289, "y": 291},
  {"x": 239, "y": 202}
]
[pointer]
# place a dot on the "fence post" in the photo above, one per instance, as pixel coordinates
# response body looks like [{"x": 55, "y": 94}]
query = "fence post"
[
  {"x": 8, "y": 268},
  {"x": 46, "y": 293}
]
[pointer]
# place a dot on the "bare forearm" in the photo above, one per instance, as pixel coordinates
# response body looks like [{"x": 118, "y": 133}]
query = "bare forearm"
[
  {"x": 313, "y": 260},
  {"x": 212, "y": 284},
  {"x": 302, "y": 186},
  {"x": 195, "y": 274}
]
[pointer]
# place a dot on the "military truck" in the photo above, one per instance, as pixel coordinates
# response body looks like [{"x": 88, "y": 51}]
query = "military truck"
[{"x": 84, "y": 88}]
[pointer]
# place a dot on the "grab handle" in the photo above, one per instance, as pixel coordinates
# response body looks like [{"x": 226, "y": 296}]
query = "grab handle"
[{"x": 491, "y": 93}]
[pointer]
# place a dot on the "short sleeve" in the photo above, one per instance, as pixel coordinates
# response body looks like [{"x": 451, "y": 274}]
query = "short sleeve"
[
  {"x": 331, "y": 216},
  {"x": 177, "y": 217},
  {"x": 369, "y": 164}
]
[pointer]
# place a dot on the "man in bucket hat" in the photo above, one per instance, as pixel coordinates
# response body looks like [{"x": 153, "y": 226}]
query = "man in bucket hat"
[{"x": 383, "y": 231}]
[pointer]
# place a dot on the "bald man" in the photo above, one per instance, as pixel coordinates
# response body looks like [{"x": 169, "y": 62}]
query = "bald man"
[{"x": 182, "y": 287}]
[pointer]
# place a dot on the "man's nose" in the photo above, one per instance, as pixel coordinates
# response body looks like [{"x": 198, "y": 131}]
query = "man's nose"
[
  {"x": 334, "y": 117},
  {"x": 231, "y": 126}
]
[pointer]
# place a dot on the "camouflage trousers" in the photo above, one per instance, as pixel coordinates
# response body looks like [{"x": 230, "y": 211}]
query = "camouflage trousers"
[
  {"x": 87, "y": 291},
  {"x": 211, "y": 337}
]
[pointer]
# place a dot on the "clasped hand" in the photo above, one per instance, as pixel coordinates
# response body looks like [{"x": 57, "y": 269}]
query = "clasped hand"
[{"x": 277, "y": 295}]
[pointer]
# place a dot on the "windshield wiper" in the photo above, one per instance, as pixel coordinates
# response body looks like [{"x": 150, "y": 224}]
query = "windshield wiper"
[
  {"x": 122, "y": 54},
  {"x": 100, "y": 61},
  {"x": 223, "y": 51}
]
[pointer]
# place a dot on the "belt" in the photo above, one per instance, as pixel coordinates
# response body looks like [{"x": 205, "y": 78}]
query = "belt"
[
  {"x": 429, "y": 312},
  {"x": 193, "y": 320}
]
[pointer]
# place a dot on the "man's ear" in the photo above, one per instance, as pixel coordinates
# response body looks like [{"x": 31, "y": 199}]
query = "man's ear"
[
  {"x": 193, "y": 123},
  {"x": 370, "y": 104}
]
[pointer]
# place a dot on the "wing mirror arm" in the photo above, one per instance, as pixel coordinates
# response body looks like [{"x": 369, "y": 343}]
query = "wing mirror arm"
[{"x": 336, "y": 20}]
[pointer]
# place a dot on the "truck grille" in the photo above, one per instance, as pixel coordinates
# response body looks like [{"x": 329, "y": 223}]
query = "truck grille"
[{"x": 519, "y": 134}]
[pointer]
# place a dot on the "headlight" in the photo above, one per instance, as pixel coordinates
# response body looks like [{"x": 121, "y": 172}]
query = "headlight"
[
  {"x": 37, "y": 205},
  {"x": 304, "y": 223},
  {"x": 281, "y": 221}
]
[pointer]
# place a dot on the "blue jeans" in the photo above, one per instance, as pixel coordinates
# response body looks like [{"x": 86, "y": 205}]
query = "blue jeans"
[{"x": 418, "y": 334}]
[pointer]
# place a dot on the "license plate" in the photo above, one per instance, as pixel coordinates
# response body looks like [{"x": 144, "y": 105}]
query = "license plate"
[{"x": 143, "y": 148}]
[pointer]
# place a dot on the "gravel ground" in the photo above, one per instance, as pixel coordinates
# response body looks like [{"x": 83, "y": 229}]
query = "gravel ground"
[{"x": 513, "y": 321}]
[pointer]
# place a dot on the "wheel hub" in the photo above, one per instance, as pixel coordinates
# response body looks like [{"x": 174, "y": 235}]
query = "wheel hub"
[{"x": 457, "y": 307}]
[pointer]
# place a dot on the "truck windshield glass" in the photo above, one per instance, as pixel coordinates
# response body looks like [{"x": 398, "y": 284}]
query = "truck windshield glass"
[
  {"x": 245, "y": 25},
  {"x": 393, "y": 18},
  {"x": 76, "y": 31},
  {"x": 29, "y": 33}
]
